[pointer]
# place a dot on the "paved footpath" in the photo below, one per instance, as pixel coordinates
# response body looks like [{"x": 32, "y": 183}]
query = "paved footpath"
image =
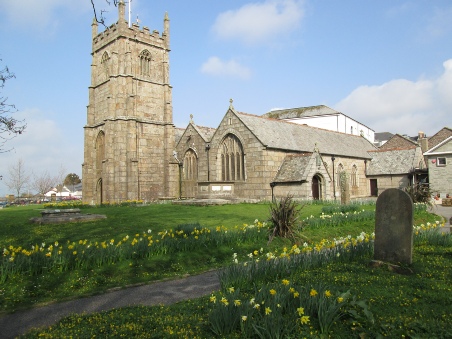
[
  {"x": 158, "y": 293},
  {"x": 445, "y": 212}
]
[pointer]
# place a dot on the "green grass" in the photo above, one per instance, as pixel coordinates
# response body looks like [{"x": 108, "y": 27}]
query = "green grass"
[{"x": 392, "y": 307}]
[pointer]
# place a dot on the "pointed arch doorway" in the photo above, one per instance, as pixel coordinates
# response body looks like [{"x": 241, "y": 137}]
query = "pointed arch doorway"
[
  {"x": 190, "y": 175},
  {"x": 316, "y": 187}
]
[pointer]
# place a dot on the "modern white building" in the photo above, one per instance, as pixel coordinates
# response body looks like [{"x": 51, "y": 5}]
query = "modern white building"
[{"x": 323, "y": 117}]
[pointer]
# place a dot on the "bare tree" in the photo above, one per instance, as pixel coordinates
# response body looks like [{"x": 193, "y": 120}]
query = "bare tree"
[
  {"x": 9, "y": 127},
  {"x": 18, "y": 177},
  {"x": 43, "y": 183},
  {"x": 100, "y": 17},
  {"x": 59, "y": 179}
]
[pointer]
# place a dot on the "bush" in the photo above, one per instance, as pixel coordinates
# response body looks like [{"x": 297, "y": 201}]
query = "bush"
[{"x": 283, "y": 216}]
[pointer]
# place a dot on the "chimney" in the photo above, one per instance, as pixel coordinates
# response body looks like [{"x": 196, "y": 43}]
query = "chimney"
[{"x": 423, "y": 141}]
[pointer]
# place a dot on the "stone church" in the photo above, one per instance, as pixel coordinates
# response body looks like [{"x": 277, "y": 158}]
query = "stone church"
[{"x": 132, "y": 150}]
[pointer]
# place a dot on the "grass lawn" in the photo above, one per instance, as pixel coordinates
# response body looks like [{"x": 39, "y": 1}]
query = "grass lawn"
[{"x": 414, "y": 304}]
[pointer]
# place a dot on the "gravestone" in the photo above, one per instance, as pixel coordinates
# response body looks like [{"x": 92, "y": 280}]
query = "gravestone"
[{"x": 394, "y": 227}]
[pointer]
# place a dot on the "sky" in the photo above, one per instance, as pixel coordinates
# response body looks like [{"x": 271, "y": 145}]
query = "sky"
[{"x": 385, "y": 63}]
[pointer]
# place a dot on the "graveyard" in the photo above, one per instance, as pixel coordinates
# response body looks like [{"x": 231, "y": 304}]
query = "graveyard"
[{"x": 323, "y": 282}]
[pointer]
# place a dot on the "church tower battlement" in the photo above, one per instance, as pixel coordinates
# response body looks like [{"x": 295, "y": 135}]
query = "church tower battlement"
[{"x": 129, "y": 135}]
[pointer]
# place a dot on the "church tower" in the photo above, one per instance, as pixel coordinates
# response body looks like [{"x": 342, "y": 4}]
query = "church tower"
[{"x": 129, "y": 134}]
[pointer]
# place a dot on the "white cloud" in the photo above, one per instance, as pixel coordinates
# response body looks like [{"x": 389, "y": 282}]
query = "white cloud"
[
  {"x": 260, "y": 22},
  {"x": 217, "y": 67},
  {"x": 43, "y": 146},
  {"x": 39, "y": 14},
  {"x": 403, "y": 106}
]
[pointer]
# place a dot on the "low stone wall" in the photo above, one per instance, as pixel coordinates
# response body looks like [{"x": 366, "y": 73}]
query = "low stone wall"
[{"x": 446, "y": 202}]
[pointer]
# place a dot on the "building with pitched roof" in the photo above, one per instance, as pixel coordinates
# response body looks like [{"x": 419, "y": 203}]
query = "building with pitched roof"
[
  {"x": 439, "y": 160},
  {"x": 323, "y": 117},
  {"x": 257, "y": 157}
]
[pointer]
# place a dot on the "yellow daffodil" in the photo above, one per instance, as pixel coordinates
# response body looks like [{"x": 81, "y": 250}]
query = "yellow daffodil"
[
  {"x": 304, "y": 319},
  {"x": 328, "y": 294},
  {"x": 300, "y": 311},
  {"x": 268, "y": 311},
  {"x": 313, "y": 293},
  {"x": 285, "y": 282}
]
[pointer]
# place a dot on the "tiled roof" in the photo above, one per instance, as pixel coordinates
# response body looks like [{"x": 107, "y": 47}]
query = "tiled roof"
[
  {"x": 300, "y": 112},
  {"x": 283, "y": 135},
  {"x": 294, "y": 168},
  {"x": 395, "y": 161}
]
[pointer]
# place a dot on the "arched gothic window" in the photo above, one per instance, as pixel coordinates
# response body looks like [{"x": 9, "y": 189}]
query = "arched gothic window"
[
  {"x": 100, "y": 151},
  {"x": 145, "y": 62},
  {"x": 232, "y": 159},
  {"x": 190, "y": 165},
  {"x": 105, "y": 64},
  {"x": 354, "y": 177}
]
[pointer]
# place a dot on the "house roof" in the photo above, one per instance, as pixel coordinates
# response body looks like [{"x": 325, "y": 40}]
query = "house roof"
[
  {"x": 300, "y": 112},
  {"x": 383, "y": 136},
  {"x": 280, "y": 134},
  {"x": 395, "y": 161},
  {"x": 439, "y": 149},
  {"x": 294, "y": 168},
  {"x": 439, "y": 137}
]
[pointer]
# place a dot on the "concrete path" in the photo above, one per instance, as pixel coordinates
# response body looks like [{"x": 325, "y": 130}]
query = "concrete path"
[
  {"x": 445, "y": 212},
  {"x": 159, "y": 293}
]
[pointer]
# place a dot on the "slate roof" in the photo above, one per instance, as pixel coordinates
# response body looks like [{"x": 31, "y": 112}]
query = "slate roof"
[
  {"x": 383, "y": 136},
  {"x": 294, "y": 168},
  {"x": 178, "y": 132},
  {"x": 280, "y": 134},
  {"x": 395, "y": 161},
  {"x": 205, "y": 132},
  {"x": 300, "y": 112}
]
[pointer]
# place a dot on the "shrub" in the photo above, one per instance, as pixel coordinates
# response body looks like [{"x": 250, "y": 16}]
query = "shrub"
[{"x": 283, "y": 216}]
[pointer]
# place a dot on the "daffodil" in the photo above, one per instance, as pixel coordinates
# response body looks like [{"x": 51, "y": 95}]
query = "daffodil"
[
  {"x": 300, "y": 311},
  {"x": 313, "y": 293},
  {"x": 304, "y": 319},
  {"x": 272, "y": 292},
  {"x": 268, "y": 311}
]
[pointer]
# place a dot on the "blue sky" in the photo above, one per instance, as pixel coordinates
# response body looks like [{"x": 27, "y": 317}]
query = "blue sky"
[{"x": 385, "y": 63}]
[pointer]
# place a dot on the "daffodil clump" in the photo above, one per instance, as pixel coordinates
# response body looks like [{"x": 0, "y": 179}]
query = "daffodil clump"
[
  {"x": 279, "y": 310},
  {"x": 260, "y": 266},
  {"x": 338, "y": 218},
  {"x": 59, "y": 256}
]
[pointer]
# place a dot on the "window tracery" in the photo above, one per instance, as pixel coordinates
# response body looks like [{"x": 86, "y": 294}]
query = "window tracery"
[
  {"x": 145, "y": 62},
  {"x": 232, "y": 159}
]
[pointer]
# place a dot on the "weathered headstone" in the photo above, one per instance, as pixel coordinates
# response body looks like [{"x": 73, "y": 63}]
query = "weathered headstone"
[{"x": 394, "y": 227}]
